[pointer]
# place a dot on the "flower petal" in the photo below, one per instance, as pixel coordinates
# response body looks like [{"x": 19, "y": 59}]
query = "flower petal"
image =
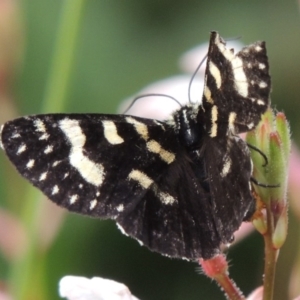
[{"x": 96, "y": 288}]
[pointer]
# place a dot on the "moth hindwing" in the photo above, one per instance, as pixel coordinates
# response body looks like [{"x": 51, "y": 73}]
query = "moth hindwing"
[{"x": 181, "y": 187}]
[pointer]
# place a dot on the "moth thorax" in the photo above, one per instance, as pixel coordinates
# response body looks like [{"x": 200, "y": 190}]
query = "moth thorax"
[{"x": 189, "y": 130}]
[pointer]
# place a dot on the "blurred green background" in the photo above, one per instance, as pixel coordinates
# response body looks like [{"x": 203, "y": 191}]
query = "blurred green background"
[{"x": 121, "y": 47}]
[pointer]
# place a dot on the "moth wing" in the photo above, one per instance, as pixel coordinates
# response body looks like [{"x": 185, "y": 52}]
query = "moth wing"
[
  {"x": 89, "y": 163},
  {"x": 229, "y": 170},
  {"x": 175, "y": 217},
  {"x": 237, "y": 83}
]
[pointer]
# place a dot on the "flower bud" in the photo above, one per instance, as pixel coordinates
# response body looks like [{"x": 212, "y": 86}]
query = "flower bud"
[{"x": 272, "y": 138}]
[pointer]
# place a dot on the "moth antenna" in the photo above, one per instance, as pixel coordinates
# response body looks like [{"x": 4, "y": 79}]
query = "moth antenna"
[
  {"x": 193, "y": 77},
  {"x": 235, "y": 38},
  {"x": 151, "y": 95},
  {"x": 263, "y": 184},
  {"x": 261, "y": 153}
]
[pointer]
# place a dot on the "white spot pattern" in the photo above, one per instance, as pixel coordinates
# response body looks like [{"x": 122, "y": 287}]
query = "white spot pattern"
[
  {"x": 240, "y": 79},
  {"x": 250, "y": 125},
  {"x": 262, "y": 85},
  {"x": 55, "y": 190},
  {"x": 214, "y": 118},
  {"x": 226, "y": 167},
  {"x": 231, "y": 120},
  {"x": 21, "y": 149},
  {"x": 165, "y": 155},
  {"x": 140, "y": 127},
  {"x": 93, "y": 203},
  {"x": 56, "y": 163},
  {"x": 39, "y": 125},
  {"x": 260, "y": 102},
  {"x": 141, "y": 178},
  {"x": 258, "y": 48},
  {"x": 92, "y": 172},
  {"x": 207, "y": 94},
  {"x": 48, "y": 149},
  {"x": 43, "y": 176},
  {"x": 166, "y": 198},
  {"x": 44, "y": 136},
  {"x": 30, "y": 164},
  {"x": 227, "y": 53},
  {"x": 73, "y": 199},
  {"x": 120, "y": 208},
  {"x": 111, "y": 134},
  {"x": 216, "y": 74},
  {"x": 15, "y": 135}
]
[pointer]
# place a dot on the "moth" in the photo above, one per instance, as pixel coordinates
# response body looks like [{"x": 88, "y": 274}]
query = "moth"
[{"x": 181, "y": 187}]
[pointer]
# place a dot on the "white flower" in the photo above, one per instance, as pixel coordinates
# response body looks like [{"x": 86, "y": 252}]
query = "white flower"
[{"x": 96, "y": 288}]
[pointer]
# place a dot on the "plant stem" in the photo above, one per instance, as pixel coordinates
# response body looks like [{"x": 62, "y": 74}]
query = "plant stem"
[
  {"x": 229, "y": 287},
  {"x": 216, "y": 268},
  {"x": 270, "y": 258},
  {"x": 64, "y": 49},
  {"x": 23, "y": 282}
]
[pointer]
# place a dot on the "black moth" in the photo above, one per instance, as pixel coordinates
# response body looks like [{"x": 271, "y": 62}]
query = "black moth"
[{"x": 181, "y": 187}]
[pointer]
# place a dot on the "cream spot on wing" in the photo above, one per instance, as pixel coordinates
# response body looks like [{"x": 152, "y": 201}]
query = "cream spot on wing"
[
  {"x": 258, "y": 48},
  {"x": 92, "y": 172},
  {"x": 15, "y": 135},
  {"x": 30, "y": 164},
  {"x": 55, "y": 190},
  {"x": 216, "y": 74},
  {"x": 120, "y": 208},
  {"x": 73, "y": 199},
  {"x": 21, "y": 149},
  {"x": 227, "y": 53},
  {"x": 43, "y": 176},
  {"x": 207, "y": 94},
  {"x": 214, "y": 118},
  {"x": 111, "y": 133},
  {"x": 166, "y": 198},
  {"x": 226, "y": 167},
  {"x": 250, "y": 125},
  {"x": 39, "y": 125},
  {"x": 44, "y": 136},
  {"x": 93, "y": 204},
  {"x": 262, "y": 85},
  {"x": 165, "y": 155},
  {"x": 260, "y": 102},
  {"x": 261, "y": 66},
  {"x": 240, "y": 79},
  {"x": 142, "y": 179},
  {"x": 160, "y": 124},
  {"x": 48, "y": 149},
  {"x": 140, "y": 127},
  {"x": 56, "y": 163},
  {"x": 231, "y": 120}
]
